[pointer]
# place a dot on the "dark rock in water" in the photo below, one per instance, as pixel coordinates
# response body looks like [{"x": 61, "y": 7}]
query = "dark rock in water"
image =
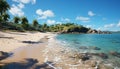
[
  {"x": 91, "y": 47},
  {"x": 83, "y": 47},
  {"x": 95, "y": 48},
  {"x": 84, "y": 57},
  {"x": 114, "y": 53},
  {"x": 103, "y": 55}
]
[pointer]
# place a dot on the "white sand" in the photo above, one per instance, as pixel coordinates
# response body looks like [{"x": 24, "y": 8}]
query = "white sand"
[{"x": 13, "y": 40}]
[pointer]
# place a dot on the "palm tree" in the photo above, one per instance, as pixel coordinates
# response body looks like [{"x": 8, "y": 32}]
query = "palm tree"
[
  {"x": 5, "y": 17},
  {"x": 24, "y": 22},
  {"x": 4, "y": 6},
  {"x": 16, "y": 19},
  {"x": 44, "y": 27},
  {"x": 35, "y": 23}
]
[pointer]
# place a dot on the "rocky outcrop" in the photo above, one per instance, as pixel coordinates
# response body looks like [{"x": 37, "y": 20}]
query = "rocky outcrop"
[{"x": 90, "y": 31}]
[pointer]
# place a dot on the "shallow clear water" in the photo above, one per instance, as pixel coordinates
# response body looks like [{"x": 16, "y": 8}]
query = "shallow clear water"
[{"x": 107, "y": 42}]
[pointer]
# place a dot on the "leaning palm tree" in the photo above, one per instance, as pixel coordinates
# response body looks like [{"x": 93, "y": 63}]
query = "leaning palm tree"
[
  {"x": 16, "y": 19},
  {"x": 35, "y": 23},
  {"x": 4, "y": 6},
  {"x": 5, "y": 17}
]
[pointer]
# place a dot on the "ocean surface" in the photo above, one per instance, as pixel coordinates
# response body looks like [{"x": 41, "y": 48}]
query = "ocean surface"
[{"x": 107, "y": 42}]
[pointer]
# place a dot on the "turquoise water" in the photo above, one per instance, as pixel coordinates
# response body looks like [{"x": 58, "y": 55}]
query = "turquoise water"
[{"x": 107, "y": 42}]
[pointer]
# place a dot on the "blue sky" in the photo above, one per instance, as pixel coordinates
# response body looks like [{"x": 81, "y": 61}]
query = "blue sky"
[{"x": 97, "y": 14}]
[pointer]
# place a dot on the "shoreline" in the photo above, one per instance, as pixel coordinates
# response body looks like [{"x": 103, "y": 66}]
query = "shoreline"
[{"x": 47, "y": 52}]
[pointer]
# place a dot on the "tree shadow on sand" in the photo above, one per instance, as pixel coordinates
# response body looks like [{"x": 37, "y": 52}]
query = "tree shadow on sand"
[
  {"x": 29, "y": 64},
  {"x": 32, "y": 42},
  {"x": 7, "y": 37}
]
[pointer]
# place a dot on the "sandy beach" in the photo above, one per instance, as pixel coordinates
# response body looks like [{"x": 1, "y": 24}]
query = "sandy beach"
[{"x": 13, "y": 40}]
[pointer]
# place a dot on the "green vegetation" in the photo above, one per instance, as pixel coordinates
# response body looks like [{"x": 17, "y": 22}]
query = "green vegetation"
[
  {"x": 16, "y": 19},
  {"x": 68, "y": 28},
  {"x": 22, "y": 23}
]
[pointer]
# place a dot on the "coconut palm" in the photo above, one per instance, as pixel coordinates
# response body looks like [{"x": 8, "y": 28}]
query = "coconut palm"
[
  {"x": 24, "y": 22},
  {"x": 4, "y": 6},
  {"x": 16, "y": 19},
  {"x": 35, "y": 23},
  {"x": 5, "y": 17}
]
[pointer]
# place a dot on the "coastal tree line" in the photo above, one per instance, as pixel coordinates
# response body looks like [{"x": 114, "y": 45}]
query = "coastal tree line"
[{"x": 22, "y": 23}]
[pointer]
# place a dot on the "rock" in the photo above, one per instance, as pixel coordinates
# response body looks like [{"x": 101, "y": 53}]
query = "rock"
[
  {"x": 84, "y": 57},
  {"x": 95, "y": 48},
  {"x": 103, "y": 55},
  {"x": 83, "y": 47},
  {"x": 114, "y": 53}
]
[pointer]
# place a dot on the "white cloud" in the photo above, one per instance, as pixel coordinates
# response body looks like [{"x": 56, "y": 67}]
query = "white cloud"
[
  {"x": 65, "y": 19},
  {"x": 90, "y": 13},
  {"x": 20, "y": 5},
  {"x": 25, "y": 1},
  {"x": 109, "y": 25},
  {"x": 88, "y": 26},
  {"x": 16, "y": 10},
  {"x": 58, "y": 22},
  {"x": 51, "y": 21},
  {"x": 39, "y": 12},
  {"x": 118, "y": 25},
  {"x": 83, "y": 19},
  {"x": 44, "y": 14},
  {"x": 99, "y": 28}
]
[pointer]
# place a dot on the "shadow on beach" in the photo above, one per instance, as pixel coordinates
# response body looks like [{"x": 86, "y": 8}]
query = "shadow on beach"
[
  {"x": 7, "y": 37},
  {"x": 28, "y": 64},
  {"x": 45, "y": 39},
  {"x": 32, "y": 42}
]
